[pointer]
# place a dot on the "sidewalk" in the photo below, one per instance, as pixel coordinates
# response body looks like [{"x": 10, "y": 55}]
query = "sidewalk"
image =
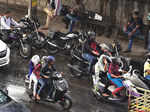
[{"x": 138, "y": 50}]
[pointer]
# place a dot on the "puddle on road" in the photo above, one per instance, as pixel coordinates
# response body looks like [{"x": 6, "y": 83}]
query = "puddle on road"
[{"x": 18, "y": 93}]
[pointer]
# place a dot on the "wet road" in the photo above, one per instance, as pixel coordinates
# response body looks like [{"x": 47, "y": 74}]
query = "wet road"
[{"x": 83, "y": 101}]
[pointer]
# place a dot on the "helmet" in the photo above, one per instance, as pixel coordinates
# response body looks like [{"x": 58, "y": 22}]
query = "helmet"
[
  {"x": 35, "y": 59},
  {"x": 91, "y": 35},
  {"x": 147, "y": 56},
  {"x": 50, "y": 58},
  {"x": 114, "y": 60}
]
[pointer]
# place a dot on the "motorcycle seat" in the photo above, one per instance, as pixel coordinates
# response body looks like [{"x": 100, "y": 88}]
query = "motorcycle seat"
[{"x": 60, "y": 34}]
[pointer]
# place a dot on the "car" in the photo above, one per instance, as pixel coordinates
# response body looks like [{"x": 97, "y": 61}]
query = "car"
[
  {"x": 7, "y": 104},
  {"x": 4, "y": 54}
]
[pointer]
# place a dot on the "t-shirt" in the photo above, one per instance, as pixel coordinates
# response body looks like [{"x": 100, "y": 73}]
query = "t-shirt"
[
  {"x": 114, "y": 69},
  {"x": 91, "y": 45},
  {"x": 146, "y": 67},
  {"x": 134, "y": 22}
]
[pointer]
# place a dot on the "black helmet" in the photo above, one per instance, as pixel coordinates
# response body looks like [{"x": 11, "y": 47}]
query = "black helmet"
[{"x": 114, "y": 60}]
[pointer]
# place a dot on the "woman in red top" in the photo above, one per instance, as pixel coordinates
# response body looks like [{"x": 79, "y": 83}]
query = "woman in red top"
[
  {"x": 115, "y": 77},
  {"x": 35, "y": 60}
]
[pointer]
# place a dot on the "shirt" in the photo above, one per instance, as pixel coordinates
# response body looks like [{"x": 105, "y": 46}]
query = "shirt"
[
  {"x": 114, "y": 69},
  {"x": 6, "y": 23},
  {"x": 146, "y": 67},
  {"x": 91, "y": 45},
  {"x": 36, "y": 70},
  {"x": 46, "y": 70},
  {"x": 134, "y": 22}
]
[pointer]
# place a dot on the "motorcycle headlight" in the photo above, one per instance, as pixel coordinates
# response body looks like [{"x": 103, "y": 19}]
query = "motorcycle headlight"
[{"x": 24, "y": 35}]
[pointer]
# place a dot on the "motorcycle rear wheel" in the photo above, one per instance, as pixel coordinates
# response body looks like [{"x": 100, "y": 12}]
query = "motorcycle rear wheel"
[
  {"x": 52, "y": 50},
  {"x": 66, "y": 103},
  {"x": 26, "y": 51}
]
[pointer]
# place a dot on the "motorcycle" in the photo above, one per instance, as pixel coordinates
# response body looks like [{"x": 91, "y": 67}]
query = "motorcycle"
[
  {"x": 114, "y": 48},
  {"x": 30, "y": 24},
  {"x": 138, "y": 80},
  {"x": 57, "y": 41},
  {"x": 34, "y": 37},
  {"x": 128, "y": 83},
  {"x": 15, "y": 39},
  {"x": 60, "y": 91},
  {"x": 78, "y": 65}
]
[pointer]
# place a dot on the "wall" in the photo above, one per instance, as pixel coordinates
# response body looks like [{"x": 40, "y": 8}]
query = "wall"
[{"x": 118, "y": 10}]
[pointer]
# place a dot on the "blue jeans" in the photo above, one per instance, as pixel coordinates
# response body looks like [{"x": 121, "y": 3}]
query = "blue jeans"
[
  {"x": 42, "y": 82},
  {"x": 130, "y": 29},
  {"x": 90, "y": 58},
  {"x": 116, "y": 81},
  {"x": 72, "y": 21},
  {"x": 148, "y": 77}
]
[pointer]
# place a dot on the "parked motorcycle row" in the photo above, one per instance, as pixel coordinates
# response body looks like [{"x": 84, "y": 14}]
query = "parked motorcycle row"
[{"x": 28, "y": 38}]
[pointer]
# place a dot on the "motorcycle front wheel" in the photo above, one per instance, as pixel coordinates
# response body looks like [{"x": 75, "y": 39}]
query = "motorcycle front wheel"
[
  {"x": 25, "y": 51},
  {"x": 66, "y": 103},
  {"x": 74, "y": 70}
]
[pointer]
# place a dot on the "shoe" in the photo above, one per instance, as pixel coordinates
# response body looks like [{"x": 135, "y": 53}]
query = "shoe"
[
  {"x": 127, "y": 51},
  {"x": 49, "y": 99},
  {"x": 114, "y": 98},
  {"x": 105, "y": 94}
]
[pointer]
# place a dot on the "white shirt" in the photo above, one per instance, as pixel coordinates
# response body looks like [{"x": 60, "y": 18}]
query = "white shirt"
[{"x": 5, "y": 23}]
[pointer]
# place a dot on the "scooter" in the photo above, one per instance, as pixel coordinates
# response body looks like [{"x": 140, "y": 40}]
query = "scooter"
[
  {"x": 60, "y": 93},
  {"x": 105, "y": 85}
]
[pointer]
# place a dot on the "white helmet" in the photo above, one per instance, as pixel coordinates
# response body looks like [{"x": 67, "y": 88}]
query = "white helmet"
[
  {"x": 35, "y": 59},
  {"x": 91, "y": 34}
]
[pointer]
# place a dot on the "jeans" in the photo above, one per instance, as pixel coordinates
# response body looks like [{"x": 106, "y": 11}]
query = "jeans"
[
  {"x": 50, "y": 84},
  {"x": 72, "y": 21},
  {"x": 34, "y": 79},
  {"x": 42, "y": 82},
  {"x": 148, "y": 77},
  {"x": 91, "y": 59},
  {"x": 129, "y": 30}
]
